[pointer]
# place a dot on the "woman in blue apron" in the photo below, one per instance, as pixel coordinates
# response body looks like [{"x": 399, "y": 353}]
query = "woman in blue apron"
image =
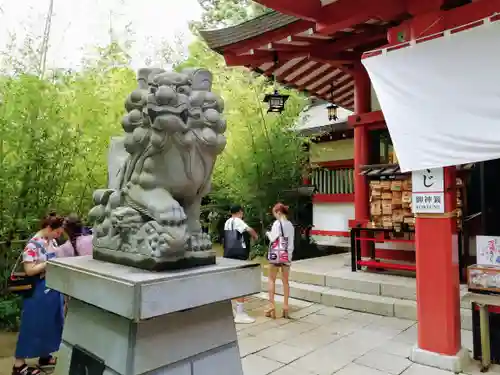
[{"x": 42, "y": 314}]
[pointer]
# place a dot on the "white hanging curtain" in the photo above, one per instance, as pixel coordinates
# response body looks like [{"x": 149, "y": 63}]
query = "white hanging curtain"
[{"x": 441, "y": 97}]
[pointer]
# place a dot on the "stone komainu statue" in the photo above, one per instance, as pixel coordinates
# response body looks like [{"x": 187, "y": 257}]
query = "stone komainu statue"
[{"x": 174, "y": 132}]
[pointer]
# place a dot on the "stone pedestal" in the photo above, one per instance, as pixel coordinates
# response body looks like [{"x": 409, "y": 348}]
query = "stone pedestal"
[{"x": 140, "y": 322}]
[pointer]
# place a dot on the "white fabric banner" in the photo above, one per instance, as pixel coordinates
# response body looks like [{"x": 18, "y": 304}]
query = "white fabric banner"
[{"x": 441, "y": 98}]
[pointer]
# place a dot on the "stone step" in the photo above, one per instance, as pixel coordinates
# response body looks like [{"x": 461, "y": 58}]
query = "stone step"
[
  {"x": 361, "y": 282},
  {"x": 353, "y": 300},
  {"x": 385, "y": 285}
]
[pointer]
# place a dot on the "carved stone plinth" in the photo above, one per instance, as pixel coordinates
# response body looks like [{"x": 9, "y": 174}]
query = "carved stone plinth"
[
  {"x": 140, "y": 322},
  {"x": 188, "y": 259}
]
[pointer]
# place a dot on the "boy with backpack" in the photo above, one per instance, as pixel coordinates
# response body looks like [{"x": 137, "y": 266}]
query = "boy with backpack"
[{"x": 236, "y": 248}]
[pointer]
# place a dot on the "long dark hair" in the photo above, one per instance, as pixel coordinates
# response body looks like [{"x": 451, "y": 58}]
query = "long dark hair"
[{"x": 74, "y": 229}]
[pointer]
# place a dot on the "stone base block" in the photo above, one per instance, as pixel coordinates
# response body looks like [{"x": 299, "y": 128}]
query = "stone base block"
[
  {"x": 456, "y": 363},
  {"x": 200, "y": 341},
  {"x": 140, "y": 322}
]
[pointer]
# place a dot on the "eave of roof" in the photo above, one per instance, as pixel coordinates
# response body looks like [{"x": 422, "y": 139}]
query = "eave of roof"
[
  {"x": 288, "y": 50},
  {"x": 217, "y": 39}
]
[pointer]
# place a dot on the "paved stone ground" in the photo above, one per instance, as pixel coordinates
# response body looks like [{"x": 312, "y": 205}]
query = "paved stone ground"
[
  {"x": 322, "y": 340},
  {"x": 318, "y": 340}
]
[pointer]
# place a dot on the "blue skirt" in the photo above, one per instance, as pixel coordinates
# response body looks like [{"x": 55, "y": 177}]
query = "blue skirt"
[{"x": 42, "y": 319}]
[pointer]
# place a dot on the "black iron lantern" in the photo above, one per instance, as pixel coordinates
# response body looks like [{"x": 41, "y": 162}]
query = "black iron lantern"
[
  {"x": 332, "y": 112},
  {"x": 276, "y": 102}
]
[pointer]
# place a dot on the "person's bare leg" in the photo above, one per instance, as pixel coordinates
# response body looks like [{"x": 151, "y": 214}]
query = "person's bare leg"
[
  {"x": 285, "y": 273},
  {"x": 271, "y": 290}
]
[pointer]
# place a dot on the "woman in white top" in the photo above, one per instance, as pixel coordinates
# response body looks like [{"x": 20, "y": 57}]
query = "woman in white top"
[{"x": 282, "y": 227}]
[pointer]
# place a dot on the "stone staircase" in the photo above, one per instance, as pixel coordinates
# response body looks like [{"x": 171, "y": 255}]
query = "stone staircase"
[{"x": 381, "y": 294}]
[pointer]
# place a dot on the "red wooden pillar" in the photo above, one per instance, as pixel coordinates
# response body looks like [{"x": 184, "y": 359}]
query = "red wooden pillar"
[
  {"x": 362, "y": 104},
  {"x": 438, "y": 288}
]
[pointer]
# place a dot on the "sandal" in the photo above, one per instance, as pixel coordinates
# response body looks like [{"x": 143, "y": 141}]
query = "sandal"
[
  {"x": 25, "y": 370},
  {"x": 271, "y": 313},
  {"x": 285, "y": 313},
  {"x": 47, "y": 362}
]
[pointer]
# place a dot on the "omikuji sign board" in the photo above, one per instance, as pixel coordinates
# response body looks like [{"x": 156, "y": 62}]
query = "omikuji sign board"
[{"x": 428, "y": 191}]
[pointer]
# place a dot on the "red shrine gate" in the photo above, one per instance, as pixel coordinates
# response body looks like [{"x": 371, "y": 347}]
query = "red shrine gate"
[{"x": 316, "y": 46}]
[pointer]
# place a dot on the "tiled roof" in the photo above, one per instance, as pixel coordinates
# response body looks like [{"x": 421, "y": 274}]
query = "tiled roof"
[{"x": 219, "y": 38}]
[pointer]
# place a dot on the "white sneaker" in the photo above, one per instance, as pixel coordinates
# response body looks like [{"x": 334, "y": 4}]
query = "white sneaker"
[{"x": 243, "y": 318}]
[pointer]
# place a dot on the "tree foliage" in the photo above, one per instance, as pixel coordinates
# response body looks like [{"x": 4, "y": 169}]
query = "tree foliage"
[
  {"x": 217, "y": 13},
  {"x": 56, "y": 125},
  {"x": 53, "y": 145}
]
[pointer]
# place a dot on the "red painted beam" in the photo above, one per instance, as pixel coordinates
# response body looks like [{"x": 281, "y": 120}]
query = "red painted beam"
[
  {"x": 336, "y": 164},
  {"x": 306, "y": 72},
  {"x": 269, "y": 37},
  {"x": 339, "y": 94},
  {"x": 356, "y": 40},
  {"x": 346, "y": 94},
  {"x": 417, "y": 7},
  {"x": 269, "y": 71},
  {"x": 323, "y": 87},
  {"x": 305, "y": 9},
  {"x": 389, "y": 266},
  {"x": 324, "y": 74},
  {"x": 333, "y": 198},
  {"x": 333, "y": 233},
  {"x": 288, "y": 48},
  {"x": 291, "y": 69},
  {"x": 348, "y": 104},
  {"x": 399, "y": 255},
  {"x": 366, "y": 119},
  {"x": 346, "y": 14},
  {"x": 260, "y": 57},
  {"x": 335, "y": 58}
]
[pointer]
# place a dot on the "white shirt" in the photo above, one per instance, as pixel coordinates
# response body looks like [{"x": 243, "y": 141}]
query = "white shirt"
[
  {"x": 288, "y": 232},
  {"x": 235, "y": 223}
]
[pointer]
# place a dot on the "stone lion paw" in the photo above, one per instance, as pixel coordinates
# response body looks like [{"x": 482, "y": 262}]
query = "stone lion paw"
[
  {"x": 174, "y": 215},
  {"x": 164, "y": 241},
  {"x": 200, "y": 242}
]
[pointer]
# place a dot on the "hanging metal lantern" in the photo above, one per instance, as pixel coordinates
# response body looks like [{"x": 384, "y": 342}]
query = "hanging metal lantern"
[
  {"x": 276, "y": 102},
  {"x": 332, "y": 112}
]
